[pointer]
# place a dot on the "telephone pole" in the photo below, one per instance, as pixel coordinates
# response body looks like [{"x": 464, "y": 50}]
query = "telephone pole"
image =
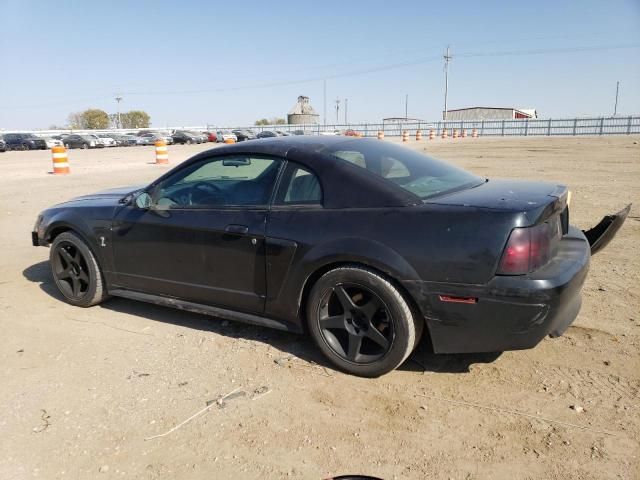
[
  {"x": 118, "y": 100},
  {"x": 324, "y": 86},
  {"x": 337, "y": 109},
  {"x": 447, "y": 57},
  {"x": 615, "y": 107},
  {"x": 406, "y": 106},
  {"x": 346, "y": 100}
]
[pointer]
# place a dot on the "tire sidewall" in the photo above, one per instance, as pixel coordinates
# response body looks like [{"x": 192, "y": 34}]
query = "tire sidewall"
[
  {"x": 89, "y": 298},
  {"x": 404, "y": 331}
]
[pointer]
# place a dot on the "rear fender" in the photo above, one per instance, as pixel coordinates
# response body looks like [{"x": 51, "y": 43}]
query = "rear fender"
[{"x": 600, "y": 235}]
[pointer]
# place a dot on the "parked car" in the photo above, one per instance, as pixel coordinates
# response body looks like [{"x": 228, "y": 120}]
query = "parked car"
[
  {"x": 266, "y": 134},
  {"x": 82, "y": 141},
  {"x": 24, "y": 141},
  {"x": 107, "y": 140},
  {"x": 149, "y": 138},
  {"x": 362, "y": 244},
  {"x": 282, "y": 133},
  {"x": 222, "y": 135},
  {"x": 3, "y": 145},
  {"x": 122, "y": 140},
  {"x": 331, "y": 132},
  {"x": 211, "y": 136},
  {"x": 300, "y": 132},
  {"x": 182, "y": 136},
  {"x": 243, "y": 135},
  {"x": 52, "y": 142}
]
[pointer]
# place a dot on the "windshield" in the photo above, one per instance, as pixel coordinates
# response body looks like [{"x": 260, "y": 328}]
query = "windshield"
[{"x": 419, "y": 174}]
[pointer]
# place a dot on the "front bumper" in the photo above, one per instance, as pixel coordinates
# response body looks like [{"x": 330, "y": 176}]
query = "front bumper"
[{"x": 511, "y": 312}]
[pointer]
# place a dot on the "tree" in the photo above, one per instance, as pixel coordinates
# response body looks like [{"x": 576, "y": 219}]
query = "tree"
[
  {"x": 75, "y": 120},
  {"x": 95, "y": 119},
  {"x": 92, "y": 119},
  {"x": 271, "y": 121},
  {"x": 135, "y": 119}
]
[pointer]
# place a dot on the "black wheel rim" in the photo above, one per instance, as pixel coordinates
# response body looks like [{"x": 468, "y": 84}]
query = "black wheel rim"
[
  {"x": 355, "y": 323},
  {"x": 71, "y": 271}
]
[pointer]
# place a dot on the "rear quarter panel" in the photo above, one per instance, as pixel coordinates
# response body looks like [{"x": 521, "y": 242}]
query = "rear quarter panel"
[{"x": 427, "y": 243}]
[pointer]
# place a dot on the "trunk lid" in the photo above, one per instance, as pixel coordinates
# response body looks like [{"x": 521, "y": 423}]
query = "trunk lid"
[{"x": 537, "y": 200}]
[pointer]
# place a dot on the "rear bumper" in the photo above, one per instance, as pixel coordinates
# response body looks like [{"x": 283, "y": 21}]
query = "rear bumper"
[{"x": 511, "y": 312}]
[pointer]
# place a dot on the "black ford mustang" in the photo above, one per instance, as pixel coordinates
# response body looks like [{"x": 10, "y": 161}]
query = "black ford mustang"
[{"x": 361, "y": 243}]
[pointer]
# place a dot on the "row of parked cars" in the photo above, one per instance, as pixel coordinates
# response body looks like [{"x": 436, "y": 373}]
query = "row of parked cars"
[{"x": 31, "y": 141}]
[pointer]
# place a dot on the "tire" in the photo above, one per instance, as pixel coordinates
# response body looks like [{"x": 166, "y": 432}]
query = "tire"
[
  {"x": 188, "y": 142},
  {"x": 378, "y": 320},
  {"x": 85, "y": 146},
  {"x": 66, "y": 145},
  {"x": 24, "y": 147},
  {"x": 77, "y": 266}
]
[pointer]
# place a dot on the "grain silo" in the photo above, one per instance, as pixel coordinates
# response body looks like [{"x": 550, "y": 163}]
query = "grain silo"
[{"x": 302, "y": 112}]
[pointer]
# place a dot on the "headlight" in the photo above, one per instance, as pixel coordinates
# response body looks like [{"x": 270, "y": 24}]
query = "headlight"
[{"x": 38, "y": 222}]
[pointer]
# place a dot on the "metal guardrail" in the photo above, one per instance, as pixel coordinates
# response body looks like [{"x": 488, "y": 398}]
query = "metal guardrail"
[{"x": 486, "y": 128}]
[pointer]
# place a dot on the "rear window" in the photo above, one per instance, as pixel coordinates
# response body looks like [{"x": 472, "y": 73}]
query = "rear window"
[{"x": 419, "y": 174}]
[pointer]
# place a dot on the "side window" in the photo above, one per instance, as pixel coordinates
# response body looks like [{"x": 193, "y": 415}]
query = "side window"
[
  {"x": 299, "y": 186},
  {"x": 220, "y": 182}
]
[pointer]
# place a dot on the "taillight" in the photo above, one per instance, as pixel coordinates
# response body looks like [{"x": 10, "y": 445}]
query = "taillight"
[{"x": 530, "y": 248}]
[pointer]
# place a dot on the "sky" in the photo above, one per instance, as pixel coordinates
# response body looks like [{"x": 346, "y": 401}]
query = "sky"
[{"x": 193, "y": 62}]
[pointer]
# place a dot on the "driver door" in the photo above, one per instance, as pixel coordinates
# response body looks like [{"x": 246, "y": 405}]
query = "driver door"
[{"x": 202, "y": 239}]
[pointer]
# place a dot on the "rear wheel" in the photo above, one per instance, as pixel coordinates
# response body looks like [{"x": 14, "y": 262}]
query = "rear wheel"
[
  {"x": 361, "y": 322},
  {"x": 76, "y": 271},
  {"x": 85, "y": 146}
]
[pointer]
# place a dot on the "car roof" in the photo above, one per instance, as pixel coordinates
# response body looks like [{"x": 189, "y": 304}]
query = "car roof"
[{"x": 344, "y": 184}]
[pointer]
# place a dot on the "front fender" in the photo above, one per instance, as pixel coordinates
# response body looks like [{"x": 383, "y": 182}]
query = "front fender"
[{"x": 94, "y": 231}]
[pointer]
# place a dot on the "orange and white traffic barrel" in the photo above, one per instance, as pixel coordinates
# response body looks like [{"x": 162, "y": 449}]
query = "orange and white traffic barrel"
[
  {"x": 162, "y": 153},
  {"x": 380, "y": 135},
  {"x": 418, "y": 135},
  {"x": 464, "y": 133},
  {"x": 474, "y": 133},
  {"x": 60, "y": 160},
  {"x": 432, "y": 134},
  {"x": 444, "y": 133},
  {"x": 229, "y": 140},
  {"x": 405, "y": 136},
  {"x": 455, "y": 133}
]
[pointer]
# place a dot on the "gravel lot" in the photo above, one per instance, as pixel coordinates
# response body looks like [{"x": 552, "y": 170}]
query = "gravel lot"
[{"x": 84, "y": 389}]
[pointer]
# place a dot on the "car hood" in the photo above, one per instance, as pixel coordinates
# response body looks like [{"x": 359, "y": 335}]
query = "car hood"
[{"x": 102, "y": 198}]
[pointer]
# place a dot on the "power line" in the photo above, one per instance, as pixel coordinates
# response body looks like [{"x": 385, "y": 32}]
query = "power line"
[{"x": 357, "y": 72}]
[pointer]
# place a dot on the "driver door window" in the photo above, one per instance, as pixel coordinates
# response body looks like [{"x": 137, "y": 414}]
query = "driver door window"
[{"x": 220, "y": 182}]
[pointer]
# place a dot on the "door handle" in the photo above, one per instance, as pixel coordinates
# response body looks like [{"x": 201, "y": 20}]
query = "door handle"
[{"x": 238, "y": 229}]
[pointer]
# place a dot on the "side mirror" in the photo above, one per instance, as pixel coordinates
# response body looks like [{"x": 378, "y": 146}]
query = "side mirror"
[{"x": 143, "y": 201}]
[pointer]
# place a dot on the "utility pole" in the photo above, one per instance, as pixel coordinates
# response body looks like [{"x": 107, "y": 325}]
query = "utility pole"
[
  {"x": 615, "y": 108},
  {"x": 447, "y": 57},
  {"x": 346, "y": 103},
  {"x": 337, "y": 109},
  {"x": 406, "y": 107},
  {"x": 118, "y": 100},
  {"x": 325, "y": 101}
]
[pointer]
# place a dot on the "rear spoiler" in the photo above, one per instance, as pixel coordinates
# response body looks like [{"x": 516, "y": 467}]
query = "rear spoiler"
[{"x": 600, "y": 235}]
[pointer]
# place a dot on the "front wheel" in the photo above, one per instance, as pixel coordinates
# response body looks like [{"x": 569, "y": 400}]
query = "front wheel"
[
  {"x": 76, "y": 271},
  {"x": 361, "y": 322},
  {"x": 85, "y": 146}
]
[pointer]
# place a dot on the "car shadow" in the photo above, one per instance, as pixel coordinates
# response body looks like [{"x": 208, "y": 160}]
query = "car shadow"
[{"x": 422, "y": 360}]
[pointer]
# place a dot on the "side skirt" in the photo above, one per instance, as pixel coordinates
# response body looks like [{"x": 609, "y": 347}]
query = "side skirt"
[{"x": 206, "y": 310}]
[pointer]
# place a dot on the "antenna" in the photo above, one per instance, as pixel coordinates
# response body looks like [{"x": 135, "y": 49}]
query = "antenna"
[{"x": 615, "y": 108}]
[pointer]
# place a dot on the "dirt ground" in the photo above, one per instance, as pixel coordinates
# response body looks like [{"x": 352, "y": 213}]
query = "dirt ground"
[{"x": 82, "y": 390}]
